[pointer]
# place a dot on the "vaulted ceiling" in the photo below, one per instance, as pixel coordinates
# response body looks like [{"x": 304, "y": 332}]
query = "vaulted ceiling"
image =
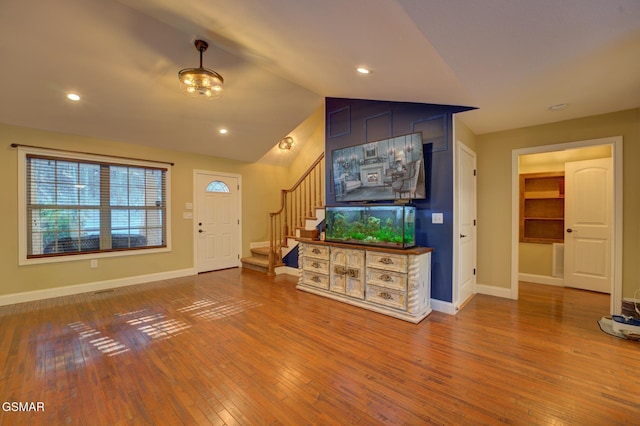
[{"x": 510, "y": 59}]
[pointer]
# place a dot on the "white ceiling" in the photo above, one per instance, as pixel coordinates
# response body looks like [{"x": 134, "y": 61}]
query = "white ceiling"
[{"x": 511, "y": 59}]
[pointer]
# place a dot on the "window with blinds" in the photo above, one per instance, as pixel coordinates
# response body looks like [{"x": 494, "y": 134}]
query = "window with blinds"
[{"x": 80, "y": 206}]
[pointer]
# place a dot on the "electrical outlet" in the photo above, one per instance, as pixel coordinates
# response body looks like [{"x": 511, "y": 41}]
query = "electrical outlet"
[
  {"x": 437, "y": 218},
  {"x": 187, "y": 215},
  {"x": 93, "y": 263}
]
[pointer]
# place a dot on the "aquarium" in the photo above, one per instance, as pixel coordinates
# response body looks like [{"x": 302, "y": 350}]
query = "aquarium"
[{"x": 377, "y": 225}]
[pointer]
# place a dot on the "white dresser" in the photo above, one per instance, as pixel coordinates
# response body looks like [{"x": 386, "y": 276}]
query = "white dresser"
[{"x": 393, "y": 282}]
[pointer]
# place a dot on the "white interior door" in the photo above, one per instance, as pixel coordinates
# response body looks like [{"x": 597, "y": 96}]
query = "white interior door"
[
  {"x": 466, "y": 222},
  {"x": 588, "y": 224},
  {"x": 217, "y": 221}
]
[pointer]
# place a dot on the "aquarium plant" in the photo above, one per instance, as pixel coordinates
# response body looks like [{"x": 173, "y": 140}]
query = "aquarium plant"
[{"x": 381, "y": 225}]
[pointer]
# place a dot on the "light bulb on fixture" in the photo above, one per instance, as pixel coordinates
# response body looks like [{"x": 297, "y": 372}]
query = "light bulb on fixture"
[
  {"x": 286, "y": 144},
  {"x": 201, "y": 82}
]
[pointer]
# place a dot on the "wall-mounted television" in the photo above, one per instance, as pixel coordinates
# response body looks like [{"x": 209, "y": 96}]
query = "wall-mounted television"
[{"x": 387, "y": 169}]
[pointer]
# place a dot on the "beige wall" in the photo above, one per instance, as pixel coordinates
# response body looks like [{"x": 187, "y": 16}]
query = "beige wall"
[
  {"x": 494, "y": 198},
  {"x": 555, "y": 161},
  {"x": 463, "y": 134},
  {"x": 311, "y": 141},
  {"x": 494, "y": 188},
  {"x": 259, "y": 184}
]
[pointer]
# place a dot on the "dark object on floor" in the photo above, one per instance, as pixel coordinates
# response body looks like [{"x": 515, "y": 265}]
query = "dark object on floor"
[
  {"x": 630, "y": 308},
  {"x": 606, "y": 325}
]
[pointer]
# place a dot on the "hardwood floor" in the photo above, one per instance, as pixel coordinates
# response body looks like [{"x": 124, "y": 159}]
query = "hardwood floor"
[{"x": 234, "y": 347}]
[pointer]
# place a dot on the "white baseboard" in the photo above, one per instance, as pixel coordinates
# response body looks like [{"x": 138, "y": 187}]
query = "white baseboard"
[
  {"x": 541, "y": 279},
  {"x": 444, "y": 307},
  {"x": 288, "y": 270},
  {"x": 490, "y": 290},
  {"x": 29, "y": 296}
]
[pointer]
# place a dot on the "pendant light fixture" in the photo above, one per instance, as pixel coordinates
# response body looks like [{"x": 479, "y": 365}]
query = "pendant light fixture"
[{"x": 201, "y": 82}]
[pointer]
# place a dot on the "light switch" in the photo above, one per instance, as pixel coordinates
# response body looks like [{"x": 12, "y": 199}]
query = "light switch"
[
  {"x": 188, "y": 206},
  {"x": 437, "y": 218}
]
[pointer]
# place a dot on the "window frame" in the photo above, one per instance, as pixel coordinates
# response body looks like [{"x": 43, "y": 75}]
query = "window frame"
[{"x": 23, "y": 237}]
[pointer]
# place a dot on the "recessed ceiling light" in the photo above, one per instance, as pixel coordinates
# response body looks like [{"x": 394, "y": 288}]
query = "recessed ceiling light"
[
  {"x": 363, "y": 70},
  {"x": 558, "y": 107},
  {"x": 223, "y": 131},
  {"x": 73, "y": 97}
]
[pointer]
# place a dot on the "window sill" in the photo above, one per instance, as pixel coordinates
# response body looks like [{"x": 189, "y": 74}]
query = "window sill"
[{"x": 24, "y": 261}]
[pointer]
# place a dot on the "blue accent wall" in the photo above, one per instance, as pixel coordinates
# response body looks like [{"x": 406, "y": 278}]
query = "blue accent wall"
[
  {"x": 291, "y": 259},
  {"x": 356, "y": 121}
]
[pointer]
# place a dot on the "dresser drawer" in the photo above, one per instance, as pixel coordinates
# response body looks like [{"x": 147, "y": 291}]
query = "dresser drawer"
[
  {"x": 315, "y": 279},
  {"x": 315, "y": 265},
  {"x": 387, "y": 261},
  {"x": 387, "y": 297},
  {"x": 316, "y": 251},
  {"x": 388, "y": 279}
]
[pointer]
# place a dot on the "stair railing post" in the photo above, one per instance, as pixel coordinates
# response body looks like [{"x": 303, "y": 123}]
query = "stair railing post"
[
  {"x": 271, "y": 268},
  {"x": 286, "y": 218},
  {"x": 296, "y": 204}
]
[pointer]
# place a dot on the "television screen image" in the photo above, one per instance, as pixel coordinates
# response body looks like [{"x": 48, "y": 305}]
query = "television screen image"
[{"x": 387, "y": 169}]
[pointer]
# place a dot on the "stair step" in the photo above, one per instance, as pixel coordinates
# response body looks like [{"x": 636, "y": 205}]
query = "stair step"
[
  {"x": 253, "y": 260},
  {"x": 260, "y": 251},
  {"x": 257, "y": 263}
]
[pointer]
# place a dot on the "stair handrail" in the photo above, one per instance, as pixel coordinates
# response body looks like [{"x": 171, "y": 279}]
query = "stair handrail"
[{"x": 296, "y": 204}]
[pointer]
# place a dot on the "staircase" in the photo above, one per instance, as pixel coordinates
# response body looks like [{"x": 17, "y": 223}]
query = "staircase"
[
  {"x": 301, "y": 207},
  {"x": 310, "y": 224},
  {"x": 258, "y": 261}
]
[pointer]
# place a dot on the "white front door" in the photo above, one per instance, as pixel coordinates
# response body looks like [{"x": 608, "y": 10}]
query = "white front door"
[
  {"x": 217, "y": 221},
  {"x": 466, "y": 222},
  {"x": 588, "y": 224}
]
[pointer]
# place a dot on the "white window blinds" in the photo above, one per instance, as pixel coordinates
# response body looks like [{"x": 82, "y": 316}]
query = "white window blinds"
[{"x": 76, "y": 206}]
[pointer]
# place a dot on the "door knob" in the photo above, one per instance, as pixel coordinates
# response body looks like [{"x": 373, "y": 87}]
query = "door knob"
[
  {"x": 200, "y": 231},
  {"x": 462, "y": 235},
  {"x": 569, "y": 230}
]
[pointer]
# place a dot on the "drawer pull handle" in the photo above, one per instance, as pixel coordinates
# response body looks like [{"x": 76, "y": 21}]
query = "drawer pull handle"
[
  {"x": 386, "y": 261},
  {"x": 340, "y": 270},
  {"x": 385, "y": 277},
  {"x": 315, "y": 251},
  {"x": 315, "y": 279},
  {"x": 385, "y": 295},
  {"x": 315, "y": 265},
  {"x": 353, "y": 273}
]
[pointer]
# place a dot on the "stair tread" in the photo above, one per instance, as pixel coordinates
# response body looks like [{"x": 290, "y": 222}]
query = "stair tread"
[
  {"x": 255, "y": 261},
  {"x": 261, "y": 250}
]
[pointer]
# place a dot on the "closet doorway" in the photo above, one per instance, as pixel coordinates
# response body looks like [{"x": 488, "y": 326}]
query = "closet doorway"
[{"x": 538, "y": 262}]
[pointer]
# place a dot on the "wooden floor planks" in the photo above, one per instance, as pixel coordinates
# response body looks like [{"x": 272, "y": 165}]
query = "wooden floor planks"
[{"x": 234, "y": 347}]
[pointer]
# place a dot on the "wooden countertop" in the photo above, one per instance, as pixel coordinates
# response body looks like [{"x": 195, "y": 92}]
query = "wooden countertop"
[{"x": 412, "y": 250}]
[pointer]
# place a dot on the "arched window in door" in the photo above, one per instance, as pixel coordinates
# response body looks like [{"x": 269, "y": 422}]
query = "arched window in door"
[{"x": 217, "y": 186}]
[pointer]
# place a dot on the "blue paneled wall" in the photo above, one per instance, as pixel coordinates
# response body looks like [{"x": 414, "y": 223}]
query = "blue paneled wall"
[{"x": 356, "y": 121}]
